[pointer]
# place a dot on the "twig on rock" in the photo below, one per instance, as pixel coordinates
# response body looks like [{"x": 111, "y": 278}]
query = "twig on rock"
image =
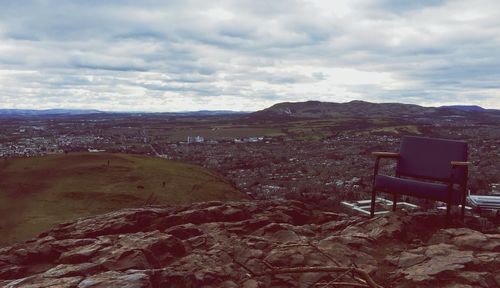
[
  {"x": 268, "y": 264},
  {"x": 294, "y": 245},
  {"x": 324, "y": 254},
  {"x": 366, "y": 280},
  {"x": 339, "y": 284},
  {"x": 363, "y": 274},
  {"x": 244, "y": 267},
  {"x": 341, "y": 275}
]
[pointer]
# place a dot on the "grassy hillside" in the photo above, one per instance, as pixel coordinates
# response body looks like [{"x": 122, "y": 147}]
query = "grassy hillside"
[{"x": 40, "y": 192}]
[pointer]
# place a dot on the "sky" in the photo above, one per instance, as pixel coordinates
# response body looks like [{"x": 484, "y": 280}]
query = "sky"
[{"x": 246, "y": 55}]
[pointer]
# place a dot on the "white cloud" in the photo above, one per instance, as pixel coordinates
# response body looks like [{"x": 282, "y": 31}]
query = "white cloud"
[{"x": 247, "y": 55}]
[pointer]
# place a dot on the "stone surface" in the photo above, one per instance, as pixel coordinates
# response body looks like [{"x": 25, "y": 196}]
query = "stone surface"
[
  {"x": 112, "y": 279},
  {"x": 217, "y": 244},
  {"x": 439, "y": 258}
]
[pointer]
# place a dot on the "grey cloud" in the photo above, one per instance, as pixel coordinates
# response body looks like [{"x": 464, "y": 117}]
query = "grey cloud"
[
  {"x": 163, "y": 52},
  {"x": 405, "y": 6}
]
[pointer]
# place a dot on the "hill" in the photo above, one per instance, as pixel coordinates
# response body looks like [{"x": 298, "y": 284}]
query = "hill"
[
  {"x": 467, "y": 108},
  {"x": 47, "y": 112},
  {"x": 36, "y": 193},
  {"x": 254, "y": 244},
  {"x": 317, "y": 109},
  {"x": 362, "y": 109},
  {"x": 15, "y": 113}
]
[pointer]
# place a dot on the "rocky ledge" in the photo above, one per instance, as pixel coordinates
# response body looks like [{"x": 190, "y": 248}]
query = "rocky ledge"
[{"x": 253, "y": 244}]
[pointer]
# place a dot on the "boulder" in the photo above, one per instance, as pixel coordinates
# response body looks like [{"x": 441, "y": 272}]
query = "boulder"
[{"x": 231, "y": 244}]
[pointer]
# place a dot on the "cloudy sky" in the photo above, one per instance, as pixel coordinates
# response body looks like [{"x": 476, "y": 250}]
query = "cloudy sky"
[{"x": 246, "y": 55}]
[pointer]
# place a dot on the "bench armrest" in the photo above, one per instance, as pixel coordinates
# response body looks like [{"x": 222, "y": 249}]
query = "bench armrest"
[
  {"x": 386, "y": 154},
  {"x": 380, "y": 155}
]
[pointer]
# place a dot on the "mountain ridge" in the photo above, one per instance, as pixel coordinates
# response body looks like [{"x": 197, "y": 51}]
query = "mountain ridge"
[
  {"x": 312, "y": 107},
  {"x": 82, "y": 112},
  {"x": 358, "y": 108},
  {"x": 45, "y": 112}
]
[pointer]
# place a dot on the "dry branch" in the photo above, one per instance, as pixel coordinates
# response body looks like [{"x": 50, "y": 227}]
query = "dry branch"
[
  {"x": 367, "y": 281},
  {"x": 339, "y": 284},
  {"x": 324, "y": 253},
  {"x": 361, "y": 273}
]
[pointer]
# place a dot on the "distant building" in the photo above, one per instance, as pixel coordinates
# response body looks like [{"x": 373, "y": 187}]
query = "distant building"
[
  {"x": 195, "y": 139},
  {"x": 95, "y": 150},
  {"x": 251, "y": 139},
  {"x": 495, "y": 189}
]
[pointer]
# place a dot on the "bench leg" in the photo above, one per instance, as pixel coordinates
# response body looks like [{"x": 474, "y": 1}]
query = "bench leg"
[
  {"x": 372, "y": 210},
  {"x": 394, "y": 202},
  {"x": 448, "y": 210},
  {"x": 462, "y": 214},
  {"x": 464, "y": 201}
]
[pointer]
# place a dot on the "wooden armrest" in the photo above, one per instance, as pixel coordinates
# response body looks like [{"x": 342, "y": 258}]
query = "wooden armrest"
[
  {"x": 386, "y": 154},
  {"x": 459, "y": 163}
]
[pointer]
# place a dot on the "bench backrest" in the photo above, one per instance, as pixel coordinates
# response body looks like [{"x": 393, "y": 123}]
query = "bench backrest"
[{"x": 430, "y": 158}]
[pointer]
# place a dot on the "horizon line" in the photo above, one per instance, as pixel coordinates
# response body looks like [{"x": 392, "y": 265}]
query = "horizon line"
[{"x": 233, "y": 111}]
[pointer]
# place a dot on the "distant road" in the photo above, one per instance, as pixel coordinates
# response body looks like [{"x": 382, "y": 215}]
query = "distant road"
[{"x": 156, "y": 152}]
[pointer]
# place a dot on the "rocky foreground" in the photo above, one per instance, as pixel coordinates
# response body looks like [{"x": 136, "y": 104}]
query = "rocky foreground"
[{"x": 253, "y": 244}]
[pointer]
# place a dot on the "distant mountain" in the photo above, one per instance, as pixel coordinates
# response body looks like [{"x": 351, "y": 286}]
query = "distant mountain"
[
  {"x": 285, "y": 110},
  {"x": 59, "y": 112},
  {"x": 32, "y": 112},
  {"x": 317, "y": 109},
  {"x": 467, "y": 108},
  {"x": 204, "y": 113}
]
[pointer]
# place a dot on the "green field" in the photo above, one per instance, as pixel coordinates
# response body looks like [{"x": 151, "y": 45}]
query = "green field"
[
  {"x": 40, "y": 192},
  {"x": 401, "y": 129},
  {"x": 296, "y": 129},
  {"x": 222, "y": 133}
]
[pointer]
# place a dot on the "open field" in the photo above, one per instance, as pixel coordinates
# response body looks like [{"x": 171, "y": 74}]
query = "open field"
[
  {"x": 39, "y": 192},
  {"x": 229, "y": 129},
  {"x": 223, "y": 133},
  {"x": 406, "y": 129}
]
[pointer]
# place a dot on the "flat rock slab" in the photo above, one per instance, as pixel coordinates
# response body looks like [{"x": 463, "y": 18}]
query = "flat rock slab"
[{"x": 234, "y": 244}]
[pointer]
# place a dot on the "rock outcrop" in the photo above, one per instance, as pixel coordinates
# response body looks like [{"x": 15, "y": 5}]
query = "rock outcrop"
[{"x": 249, "y": 244}]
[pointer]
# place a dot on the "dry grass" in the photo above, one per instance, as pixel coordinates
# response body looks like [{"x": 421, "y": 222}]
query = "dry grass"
[{"x": 37, "y": 193}]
